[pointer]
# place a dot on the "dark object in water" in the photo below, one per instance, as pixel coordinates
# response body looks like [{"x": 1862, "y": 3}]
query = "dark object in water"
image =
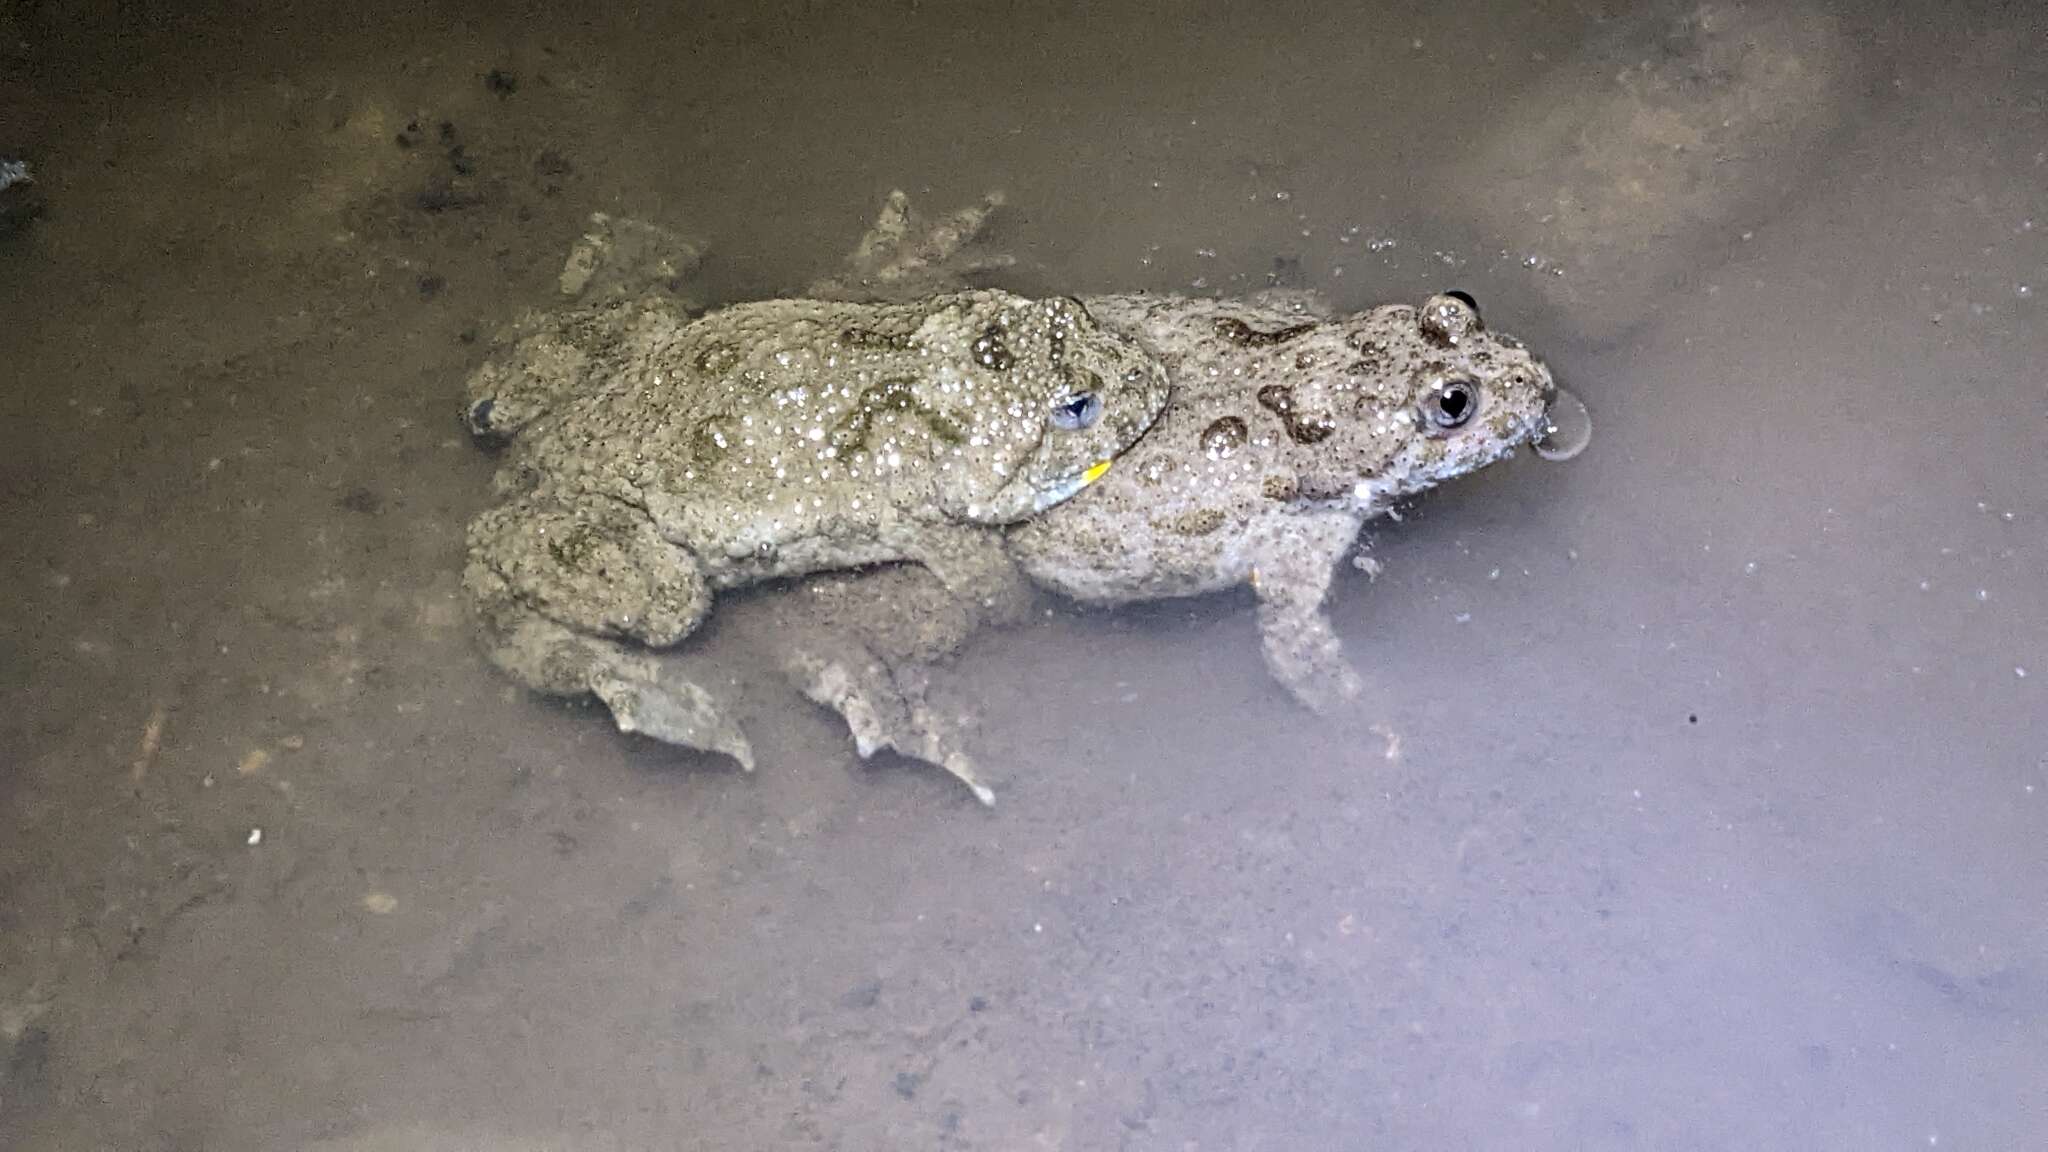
[{"x": 21, "y": 198}]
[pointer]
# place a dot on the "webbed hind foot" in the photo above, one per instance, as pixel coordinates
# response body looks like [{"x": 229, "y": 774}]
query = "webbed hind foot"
[{"x": 885, "y": 708}]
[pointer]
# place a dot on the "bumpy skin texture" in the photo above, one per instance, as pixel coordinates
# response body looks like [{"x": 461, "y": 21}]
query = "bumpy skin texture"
[
  {"x": 654, "y": 460},
  {"x": 1286, "y": 432},
  {"x": 1288, "y": 429}
]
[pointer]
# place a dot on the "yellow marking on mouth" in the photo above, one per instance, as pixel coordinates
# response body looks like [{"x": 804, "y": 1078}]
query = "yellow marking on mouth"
[{"x": 1095, "y": 472}]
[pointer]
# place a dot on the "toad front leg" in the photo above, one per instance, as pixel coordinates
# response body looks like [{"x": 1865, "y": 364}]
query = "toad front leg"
[
  {"x": 972, "y": 564},
  {"x": 1295, "y": 562}
]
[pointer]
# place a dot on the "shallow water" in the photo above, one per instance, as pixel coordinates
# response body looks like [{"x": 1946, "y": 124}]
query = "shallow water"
[{"x": 1697, "y": 802}]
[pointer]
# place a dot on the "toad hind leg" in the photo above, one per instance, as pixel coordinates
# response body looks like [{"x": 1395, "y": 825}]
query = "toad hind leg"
[
  {"x": 1302, "y": 650},
  {"x": 593, "y": 565},
  {"x": 645, "y": 693},
  {"x": 903, "y": 256},
  {"x": 559, "y": 588},
  {"x": 884, "y": 706}
]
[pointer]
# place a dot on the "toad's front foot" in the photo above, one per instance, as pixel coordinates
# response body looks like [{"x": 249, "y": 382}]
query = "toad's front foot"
[
  {"x": 1305, "y": 656},
  {"x": 1324, "y": 684}
]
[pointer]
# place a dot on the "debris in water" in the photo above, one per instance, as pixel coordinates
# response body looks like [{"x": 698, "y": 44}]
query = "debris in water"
[
  {"x": 1392, "y": 751},
  {"x": 152, "y": 741},
  {"x": 21, "y": 198}
]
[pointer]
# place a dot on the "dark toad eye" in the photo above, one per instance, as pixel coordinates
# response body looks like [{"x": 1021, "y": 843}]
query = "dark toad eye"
[
  {"x": 480, "y": 416},
  {"x": 1452, "y": 405},
  {"x": 1081, "y": 410}
]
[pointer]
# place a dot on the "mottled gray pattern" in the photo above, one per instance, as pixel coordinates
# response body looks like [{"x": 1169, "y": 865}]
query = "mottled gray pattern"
[{"x": 655, "y": 459}]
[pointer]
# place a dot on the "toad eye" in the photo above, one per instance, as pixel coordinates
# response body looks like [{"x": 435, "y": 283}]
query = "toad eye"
[
  {"x": 1452, "y": 404},
  {"x": 1081, "y": 410}
]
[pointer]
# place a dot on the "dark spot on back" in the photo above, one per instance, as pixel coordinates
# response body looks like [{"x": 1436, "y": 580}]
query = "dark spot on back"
[
  {"x": 1224, "y": 437},
  {"x": 990, "y": 350},
  {"x": 1302, "y": 427},
  {"x": 893, "y": 395},
  {"x": 870, "y": 338},
  {"x": 1198, "y": 521},
  {"x": 1245, "y": 336},
  {"x": 717, "y": 359}
]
